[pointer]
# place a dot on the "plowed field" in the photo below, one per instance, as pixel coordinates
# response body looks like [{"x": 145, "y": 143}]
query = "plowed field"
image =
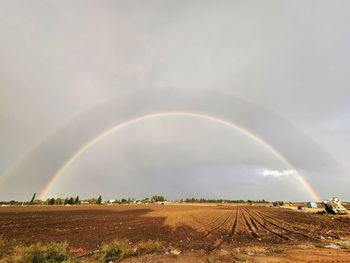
[{"x": 184, "y": 226}]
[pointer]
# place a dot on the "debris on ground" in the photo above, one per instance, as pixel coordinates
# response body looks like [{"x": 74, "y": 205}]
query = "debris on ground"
[
  {"x": 333, "y": 246},
  {"x": 175, "y": 251},
  {"x": 333, "y": 206}
]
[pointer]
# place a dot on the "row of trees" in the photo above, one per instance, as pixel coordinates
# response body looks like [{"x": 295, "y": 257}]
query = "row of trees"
[
  {"x": 61, "y": 201},
  {"x": 130, "y": 200},
  {"x": 76, "y": 200},
  {"x": 157, "y": 198},
  {"x": 73, "y": 201},
  {"x": 204, "y": 200},
  {"x": 133, "y": 200},
  {"x": 153, "y": 199}
]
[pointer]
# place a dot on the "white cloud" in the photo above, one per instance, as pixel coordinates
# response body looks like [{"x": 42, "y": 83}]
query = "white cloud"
[{"x": 278, "y": 174}]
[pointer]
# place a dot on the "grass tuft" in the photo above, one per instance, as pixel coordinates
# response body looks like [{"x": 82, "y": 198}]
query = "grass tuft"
[
  {"x": 42, "y": 253},
  {"x": 344, "y": 245},
  {"x": 115, "y": 251},
  {"x": 6, "y": 248},
  {"x": 36, "y": 253},
  {"x": 320, "y": 245},
  {"x": 209, "y": 259},
  {"x": 150, "y": 246}
]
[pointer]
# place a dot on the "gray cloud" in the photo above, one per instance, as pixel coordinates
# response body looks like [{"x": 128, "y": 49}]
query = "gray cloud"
[{"x": 74, "y": 64}]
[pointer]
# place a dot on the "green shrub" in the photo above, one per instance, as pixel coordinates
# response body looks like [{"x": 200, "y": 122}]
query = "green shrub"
[
  {"x": 344, "y": 245},
  {"x": 115, "y": 251},
  {"x": 40, "y": 253},
  {"x": 320, "y": 245}
]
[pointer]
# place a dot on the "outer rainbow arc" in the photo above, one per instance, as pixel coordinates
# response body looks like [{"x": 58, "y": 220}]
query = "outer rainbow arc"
[
  {"x": 21, "y": 159},
  {"x": 248, "y": 133}
]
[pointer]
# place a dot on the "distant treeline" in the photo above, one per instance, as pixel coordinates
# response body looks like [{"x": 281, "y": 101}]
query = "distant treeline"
[
  {"x": 77, "y": 201},
  {"x": 130, "y": 200},
  {"x": 204, "y": 200}
]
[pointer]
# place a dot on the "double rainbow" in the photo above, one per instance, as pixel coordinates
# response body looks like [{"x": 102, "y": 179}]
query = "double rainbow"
[{"x": 218, "y": 120}]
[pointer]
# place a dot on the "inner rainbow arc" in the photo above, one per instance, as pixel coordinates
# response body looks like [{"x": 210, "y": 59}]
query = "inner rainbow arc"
[{"x": 245, "y": 131}]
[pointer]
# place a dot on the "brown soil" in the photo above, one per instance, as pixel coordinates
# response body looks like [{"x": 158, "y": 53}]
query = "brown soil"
[{"x": 190, "y": 228}]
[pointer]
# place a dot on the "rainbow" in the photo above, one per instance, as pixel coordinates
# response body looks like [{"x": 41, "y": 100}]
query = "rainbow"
[{"x": 122, "y": 125}]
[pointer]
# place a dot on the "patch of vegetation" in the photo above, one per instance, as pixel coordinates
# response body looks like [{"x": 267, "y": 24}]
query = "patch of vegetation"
[
  {"x": 6, "y": 248},
  {"x": 320, "y": 245},
  {"x": 344, "y": 245},
  {"x": 115, "y": 251},
  {"x": 36, "y": 253},
  {"x": 150, "y": 246},
  {"x": 338, "y": 245},
  {"x": 204, "y": 200},
  {"x": 157, "y": 198},
  {"x": 278, "y": 250},
  {"x": 42, "y": 253},
  {"x": 99, "y": 200},
  {"x": 209, "y": 259}
]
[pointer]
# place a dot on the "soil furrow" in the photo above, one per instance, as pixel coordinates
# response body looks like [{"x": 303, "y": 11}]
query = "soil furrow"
[
  {"x": 234, "y": 224},
  {"x": 279, "y": 221},
  {"x": 204, "y": 225},
  {"x": 267, "y": 228},
  {"x": 252, "y": 229},
  {"x": 319, "y": 229}
]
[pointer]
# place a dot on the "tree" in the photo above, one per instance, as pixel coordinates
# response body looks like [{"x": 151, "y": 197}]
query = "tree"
[
  {"x": 157, "y": 198},
  {"x": 99, "y": 200},
  {"x": 70, "y": 201},
  {"x": 77, "y": 201},
  {"x": 51, "y": 201},
  {"x": 66, "y": 201},
  {"x": 92, "y": 201},
  {"x": 59, "y": 201},
  {"x": 33, "y": 198},
  {"x": 146, "y": 200}
]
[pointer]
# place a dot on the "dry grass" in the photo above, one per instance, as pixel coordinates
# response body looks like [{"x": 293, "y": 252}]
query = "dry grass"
[
  {"x": 6, "y": 249},
  {"x": 115, "y": 251},
  {"x": 321, "y": 245},
  {"x": 150, "y": 246},
  {"x": 119, "y": 249},
  {"x": 344, "y": 245},
  {"x": 35, "y": 253}
]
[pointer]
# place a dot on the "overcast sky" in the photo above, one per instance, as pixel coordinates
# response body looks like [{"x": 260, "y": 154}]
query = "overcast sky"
[{"x": 70, "y": 70}]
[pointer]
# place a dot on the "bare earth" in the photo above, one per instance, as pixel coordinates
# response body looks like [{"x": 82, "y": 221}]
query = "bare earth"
[{"x": 202, "y": 233}]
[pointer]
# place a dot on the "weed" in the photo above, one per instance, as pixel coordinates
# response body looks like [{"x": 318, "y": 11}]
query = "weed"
[
  {"x": 209, "y": 259},
  {"x": 278, "y": 250},
  {"x": 36, "y": 253},
  {"x": 115, "y": 251},
  {"x": 150, "y": 246},
  {"x": 42, "y": 253},
  {"x": 6, "y": 248},
  {"x": 344, "y": 245},
  {"x": 320, "y": 245}
]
